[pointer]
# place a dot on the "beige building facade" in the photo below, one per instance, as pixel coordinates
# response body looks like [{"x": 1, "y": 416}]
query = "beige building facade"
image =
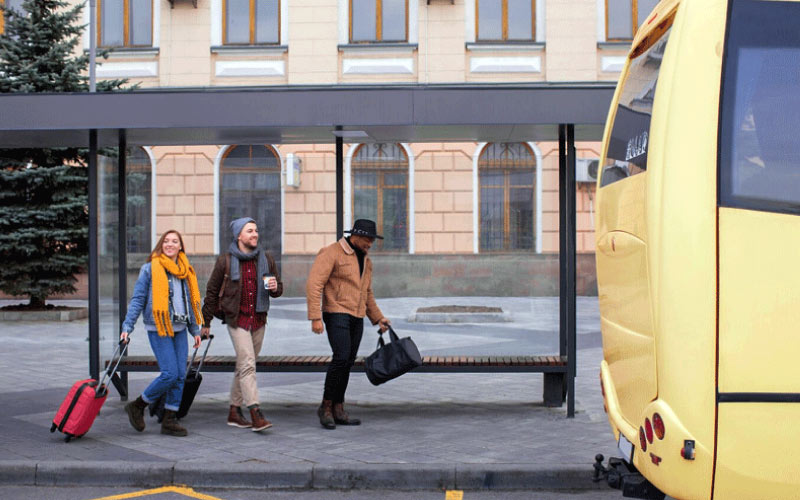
[{"x": 473, "y": 200}]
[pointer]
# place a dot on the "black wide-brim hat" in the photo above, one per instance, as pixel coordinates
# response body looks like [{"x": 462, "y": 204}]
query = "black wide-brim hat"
[{"x": 365, "y": 227}]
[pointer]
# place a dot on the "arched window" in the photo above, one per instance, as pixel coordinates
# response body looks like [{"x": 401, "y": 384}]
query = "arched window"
[
  {"x": 250, "y": 186},
  {"x": 139, "y": 198},
  {"x": 507, "y": 186},
  {"x": 380, "y": 192}
]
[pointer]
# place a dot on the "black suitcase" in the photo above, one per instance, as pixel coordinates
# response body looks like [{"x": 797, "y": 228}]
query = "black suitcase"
[{"x": 190, "y": 386}]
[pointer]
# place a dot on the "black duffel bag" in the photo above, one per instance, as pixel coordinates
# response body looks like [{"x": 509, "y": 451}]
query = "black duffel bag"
[{"x": 393, "y": 359}]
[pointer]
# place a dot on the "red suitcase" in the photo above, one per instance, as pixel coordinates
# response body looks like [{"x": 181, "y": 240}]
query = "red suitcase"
[{"x": 83, "y": 402}]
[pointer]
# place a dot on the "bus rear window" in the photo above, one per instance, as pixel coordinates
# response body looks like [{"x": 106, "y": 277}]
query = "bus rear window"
[
  {"x": 759, "y": 151},
  {"x": 627, "y": 147}
]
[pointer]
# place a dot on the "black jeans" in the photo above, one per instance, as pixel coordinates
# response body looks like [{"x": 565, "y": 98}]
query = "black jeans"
[{"x": 344, "y": 335}]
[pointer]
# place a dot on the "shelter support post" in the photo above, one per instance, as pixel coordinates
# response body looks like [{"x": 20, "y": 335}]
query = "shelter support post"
[
  {"x": 567, "y": 249},
  {"x": 121, "y": 381},
  {"x": 339, "y": 187},
  {"x": 94, "y": 282}
]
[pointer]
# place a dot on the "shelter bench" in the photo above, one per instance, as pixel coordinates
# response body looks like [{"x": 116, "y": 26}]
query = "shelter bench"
[{"x": 554, "y": 368}]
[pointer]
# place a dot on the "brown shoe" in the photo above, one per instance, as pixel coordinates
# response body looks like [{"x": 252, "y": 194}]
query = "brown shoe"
[
  {"x": 259, "y": 422},
  {"x": 325, "y": 414},
  {"x": 135, "y": 411},
  {"x": 341, "y": 417},
  {"x": 236, "y": 418},
  {"x": 170, "y": 425}
]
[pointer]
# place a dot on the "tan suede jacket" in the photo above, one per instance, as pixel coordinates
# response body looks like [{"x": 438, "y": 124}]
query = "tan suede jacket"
[{"x": 335, "y": 278}]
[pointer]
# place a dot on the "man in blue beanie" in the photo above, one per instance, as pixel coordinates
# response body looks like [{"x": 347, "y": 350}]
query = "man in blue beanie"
[{"x": 238, "y": 292}]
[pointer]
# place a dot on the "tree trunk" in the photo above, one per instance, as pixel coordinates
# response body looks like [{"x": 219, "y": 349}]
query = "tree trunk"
[{"x": 37, "y": 302}]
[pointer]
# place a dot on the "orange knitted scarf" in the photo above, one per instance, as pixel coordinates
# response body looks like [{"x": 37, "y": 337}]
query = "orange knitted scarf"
[{"x": 181, "y": 269}]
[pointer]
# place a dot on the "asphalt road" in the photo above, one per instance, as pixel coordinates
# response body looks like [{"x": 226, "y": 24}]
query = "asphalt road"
[{"x": 178, "y": 493}]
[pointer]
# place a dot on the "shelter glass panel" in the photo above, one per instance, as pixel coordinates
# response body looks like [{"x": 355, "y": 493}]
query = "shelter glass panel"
[
  {"x": 380, "y": 192},
  {"x": 250, "y": 177},
  {"x": 506, "y": 173},
  {"x": 139, "y": 199},
  {"x": 108, "y": 252}
]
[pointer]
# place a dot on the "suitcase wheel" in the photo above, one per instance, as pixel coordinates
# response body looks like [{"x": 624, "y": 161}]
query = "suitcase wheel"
[
  {"x": 67, "y": 438},
  {"x": 53, "y": 427}
]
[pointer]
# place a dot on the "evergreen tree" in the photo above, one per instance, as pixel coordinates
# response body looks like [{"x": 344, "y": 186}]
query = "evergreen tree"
[{"x": 43, "y": 192}]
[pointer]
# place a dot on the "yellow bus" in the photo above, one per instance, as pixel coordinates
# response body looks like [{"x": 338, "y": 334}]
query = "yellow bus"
[{"x": 698, "y": 239}]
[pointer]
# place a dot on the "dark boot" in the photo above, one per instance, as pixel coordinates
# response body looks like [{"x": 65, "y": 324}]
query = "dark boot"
[
  {"x": 341, "y": 417},
  {"x": 325, "y": 414},
  {"x": 236, "y": 418},
  {"x": 135, "y": 411},
  {"x": 259, "y": 422},
  {"x": 170, "y": 425}
]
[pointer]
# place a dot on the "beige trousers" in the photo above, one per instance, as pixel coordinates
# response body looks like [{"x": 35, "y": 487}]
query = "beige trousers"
[{"x": 244, "y": 390}]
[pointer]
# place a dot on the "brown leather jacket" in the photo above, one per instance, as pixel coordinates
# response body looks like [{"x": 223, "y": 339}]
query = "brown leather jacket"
[
  {"x": 232, "y": 292},
  {"x": 335, "y": 277}
]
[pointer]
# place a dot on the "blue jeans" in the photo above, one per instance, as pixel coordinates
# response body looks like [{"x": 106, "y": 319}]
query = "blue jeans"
[{"x": 171, "y": 355}]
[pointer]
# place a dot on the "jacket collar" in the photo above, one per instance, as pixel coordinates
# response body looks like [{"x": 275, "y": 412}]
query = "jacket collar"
[{"x": 346, "y": 247}]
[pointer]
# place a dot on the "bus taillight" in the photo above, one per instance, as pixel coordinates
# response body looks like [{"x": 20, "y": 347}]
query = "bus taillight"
[
  {"x": 658, "y": 426},
  {"x": 648, "y": 430},
  {"x": 642, "y": 439}
]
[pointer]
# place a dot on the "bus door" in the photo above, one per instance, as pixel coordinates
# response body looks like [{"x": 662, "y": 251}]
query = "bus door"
[{"x": 758, "y": 370}]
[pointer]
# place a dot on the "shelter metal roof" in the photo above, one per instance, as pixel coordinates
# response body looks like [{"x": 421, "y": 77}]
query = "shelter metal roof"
[{"x": 307, "y": 114}]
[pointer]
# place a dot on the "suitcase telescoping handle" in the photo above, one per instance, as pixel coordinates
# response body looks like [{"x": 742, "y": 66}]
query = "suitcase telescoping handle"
[
  {"x": 203, "y": 359},
  {"x": 119, "y": 353}
]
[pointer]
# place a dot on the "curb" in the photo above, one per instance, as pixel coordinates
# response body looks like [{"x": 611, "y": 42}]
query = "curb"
[
  {"x": 55, "y": 315},
  {"x": 299, "y": 476}
]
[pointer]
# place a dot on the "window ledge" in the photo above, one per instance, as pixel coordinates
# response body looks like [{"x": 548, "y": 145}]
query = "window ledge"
[
  {"x": 505, "y": 46},
  {"x": 128, "y": 52},
  {"x": 377, "y": 47},
  {"x": 614, "y": 45},
  {"x": 250, "y": 50}
]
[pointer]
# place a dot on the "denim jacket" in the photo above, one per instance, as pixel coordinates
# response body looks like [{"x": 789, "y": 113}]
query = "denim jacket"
[{"x": 143, "y": 299}]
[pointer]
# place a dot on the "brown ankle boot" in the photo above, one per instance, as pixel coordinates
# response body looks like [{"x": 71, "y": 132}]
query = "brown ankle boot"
[
  {"x": 135, "y": 411},
  {"x": 259, "y": 422},
  {"x": 170, "y": 425},
  {"x": 341, "y": 417},
  {"x": 325, "y": 414},
  {"x": 236, "y": 418}
]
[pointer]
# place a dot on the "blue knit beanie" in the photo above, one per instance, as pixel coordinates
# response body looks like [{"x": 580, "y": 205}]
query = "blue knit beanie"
[{"x": 238, "y": 225}]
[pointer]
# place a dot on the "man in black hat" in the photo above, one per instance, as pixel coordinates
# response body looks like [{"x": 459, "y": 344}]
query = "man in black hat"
[{"x": 342, "y": 278}]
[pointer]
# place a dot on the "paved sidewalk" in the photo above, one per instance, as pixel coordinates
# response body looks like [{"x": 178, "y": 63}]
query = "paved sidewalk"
[{"x": 420, "y": 431}]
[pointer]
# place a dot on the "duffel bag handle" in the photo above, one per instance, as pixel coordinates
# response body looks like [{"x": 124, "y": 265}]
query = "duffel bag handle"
[{"x": 392, "y": 337}]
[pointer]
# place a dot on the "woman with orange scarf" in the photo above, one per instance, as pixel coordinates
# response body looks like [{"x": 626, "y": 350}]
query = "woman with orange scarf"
[{"x": 167, "y": 293}]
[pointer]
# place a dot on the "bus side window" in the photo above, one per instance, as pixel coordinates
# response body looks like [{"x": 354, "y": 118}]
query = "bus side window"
[{"x": 628, "y": 145}]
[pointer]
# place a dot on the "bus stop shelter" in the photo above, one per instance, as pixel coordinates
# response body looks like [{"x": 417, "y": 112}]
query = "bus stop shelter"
[{"x": 565, "y": 113}]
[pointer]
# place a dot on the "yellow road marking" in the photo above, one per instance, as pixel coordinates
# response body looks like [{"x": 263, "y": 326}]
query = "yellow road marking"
[
  {"x": 453, "y": 495},
  {"x": 181, "y": 490}
]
